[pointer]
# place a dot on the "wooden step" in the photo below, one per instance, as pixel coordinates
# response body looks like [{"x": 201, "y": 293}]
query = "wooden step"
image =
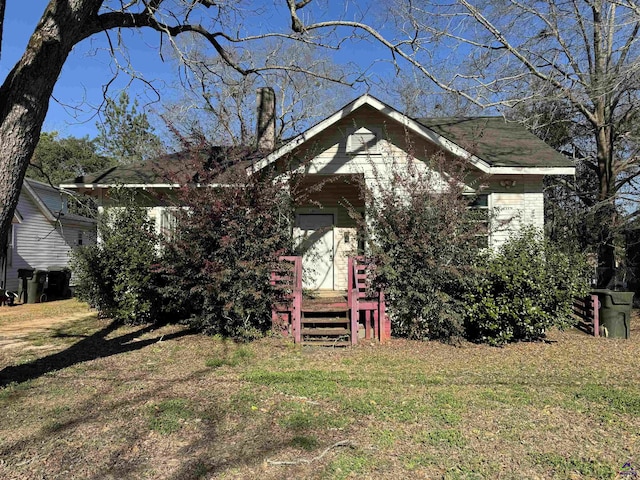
[
  {"x": 323, "y": 320},
  {"x": 327, "y": 343},
  {"x": 326, "y": 331},
  {"x": 325, "y": 307}
]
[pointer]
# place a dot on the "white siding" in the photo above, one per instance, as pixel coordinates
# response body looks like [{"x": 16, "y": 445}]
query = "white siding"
[
  {"x": 53, "y": 199},
  {"x": 515, "y": 200},
  {"x": 516, "y": 206}
]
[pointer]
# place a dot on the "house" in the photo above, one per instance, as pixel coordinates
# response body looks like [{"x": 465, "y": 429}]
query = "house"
[
  {"x": 357, "y": 145},
  {"x": 43, "y": 232}
]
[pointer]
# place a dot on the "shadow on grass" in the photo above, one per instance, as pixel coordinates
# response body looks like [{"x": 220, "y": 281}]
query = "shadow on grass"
[{"x": 90, "y": 347}]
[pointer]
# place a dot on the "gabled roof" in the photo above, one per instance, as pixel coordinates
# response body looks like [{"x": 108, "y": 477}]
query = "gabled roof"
[{"x": 491, "y": 144}]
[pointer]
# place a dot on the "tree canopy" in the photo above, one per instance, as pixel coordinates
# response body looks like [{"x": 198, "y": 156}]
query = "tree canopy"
[
  {"x": 58, "y": 159},
  {"x": 569, "y": 68}
]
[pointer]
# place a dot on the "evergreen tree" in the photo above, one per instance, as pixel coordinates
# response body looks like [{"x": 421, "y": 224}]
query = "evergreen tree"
[{"x": 126, "y": 134}]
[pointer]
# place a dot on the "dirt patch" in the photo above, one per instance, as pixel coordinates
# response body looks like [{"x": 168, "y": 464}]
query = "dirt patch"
[{"x": 19, "y": 322}]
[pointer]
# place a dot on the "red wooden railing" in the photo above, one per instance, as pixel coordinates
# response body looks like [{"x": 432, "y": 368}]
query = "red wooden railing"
[
  {"x": 586, "y": 310},
  {"x": 286, "y": 314},
  {"x": 366, "y": 305}
]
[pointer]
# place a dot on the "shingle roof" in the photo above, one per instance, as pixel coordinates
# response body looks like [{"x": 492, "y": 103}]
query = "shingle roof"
[
  {"x": 174, "y": 168},
  {"x": 496, "y": 141}
]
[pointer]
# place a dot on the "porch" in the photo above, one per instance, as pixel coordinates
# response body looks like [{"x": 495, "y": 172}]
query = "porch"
[{"x": 330, "y": 317}]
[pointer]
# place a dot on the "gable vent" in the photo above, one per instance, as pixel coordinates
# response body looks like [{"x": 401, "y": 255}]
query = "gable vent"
[{"x": 362, "y": 141}]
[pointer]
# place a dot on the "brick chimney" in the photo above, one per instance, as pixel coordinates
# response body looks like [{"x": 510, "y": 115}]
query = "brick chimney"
[{"x": 266, "y": 125}]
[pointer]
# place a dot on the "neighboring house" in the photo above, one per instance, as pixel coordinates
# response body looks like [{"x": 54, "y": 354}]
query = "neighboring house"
[
  {"x": 43, "y": 232},
  {"x": 361, "y": 143}
]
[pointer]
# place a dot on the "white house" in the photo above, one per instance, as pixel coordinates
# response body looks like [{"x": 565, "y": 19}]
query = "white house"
[
  {"x": 359, "y": 144},
  {"x": 43, "y": 232}
]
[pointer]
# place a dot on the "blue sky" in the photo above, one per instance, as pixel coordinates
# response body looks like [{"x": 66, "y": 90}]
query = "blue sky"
[{"x": 79, "y": 90}]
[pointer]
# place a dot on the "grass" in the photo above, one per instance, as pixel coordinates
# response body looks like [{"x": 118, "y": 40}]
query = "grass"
[
  {"x": 168, "y": 416},
  {"x": 84, "y": 399}
]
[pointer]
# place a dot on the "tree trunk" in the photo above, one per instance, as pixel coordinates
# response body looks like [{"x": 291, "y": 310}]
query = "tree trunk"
[
  {"x": 605, "y": 209},
  {"x": 25, "y": 94}
]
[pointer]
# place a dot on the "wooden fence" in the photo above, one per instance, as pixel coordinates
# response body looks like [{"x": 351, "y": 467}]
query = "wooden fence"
[{"x": 585, "y": 309}]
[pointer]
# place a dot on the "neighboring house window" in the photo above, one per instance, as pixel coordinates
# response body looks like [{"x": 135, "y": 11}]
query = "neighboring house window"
[
  {"x": 10, "y": 245},
  {"x": 363, "y": 141},
  {"x": 480, "y": 211},
  {"x": 80, "y": 238}
]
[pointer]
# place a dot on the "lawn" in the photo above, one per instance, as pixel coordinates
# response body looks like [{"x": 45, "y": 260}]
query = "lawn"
[{"x": 87, "y": 399}]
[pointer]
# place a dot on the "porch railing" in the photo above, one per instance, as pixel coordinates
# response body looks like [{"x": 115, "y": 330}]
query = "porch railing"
[
  {"x": 286, "y": 314},
  {"x": 366, "y": 305}
]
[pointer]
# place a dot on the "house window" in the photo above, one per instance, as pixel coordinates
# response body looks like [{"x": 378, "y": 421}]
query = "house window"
[
  {"x": 479, "y": 207},
  {"x": 80, "y": 238},
  {"x": 10, "y": 245},
  {"x": 168, "y": 222},
  {"x": 363, "y": 141}
]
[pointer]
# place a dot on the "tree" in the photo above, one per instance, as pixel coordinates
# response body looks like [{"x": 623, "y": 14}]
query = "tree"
[
  {"x": 227, "y": 28},
  {"x": 218, "y": 103},
  {"x": 126, "y": 135},
  {"x": 583, "y": 55},
  {"x": 58, "y": 159}
]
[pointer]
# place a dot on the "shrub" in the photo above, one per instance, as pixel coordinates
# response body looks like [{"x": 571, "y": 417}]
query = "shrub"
[
  {"x": 227, "y": 241},
  {"x": 528, "y": 287},
  {"x": 423, "y": 237},
  {"x": 116, "y": 275}
]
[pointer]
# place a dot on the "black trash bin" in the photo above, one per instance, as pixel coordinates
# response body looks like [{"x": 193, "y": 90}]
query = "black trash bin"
[
  {"x": 24, "y": 275},
  {"x": 58, "y": 284},
  {"x": 615, "y": 312},
  {"x": 35, "y": 287}
]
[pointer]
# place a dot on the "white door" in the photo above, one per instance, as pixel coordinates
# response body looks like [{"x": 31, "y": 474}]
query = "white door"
[{"x": 314, "y": 235}]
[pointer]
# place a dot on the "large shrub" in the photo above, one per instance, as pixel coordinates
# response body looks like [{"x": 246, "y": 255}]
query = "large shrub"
[
  {"x": 528, "y": 286},
  {"x": 116, "y": 275},
  {"x": 227, "y": 241},
  {"x": 424, "y": 238}
]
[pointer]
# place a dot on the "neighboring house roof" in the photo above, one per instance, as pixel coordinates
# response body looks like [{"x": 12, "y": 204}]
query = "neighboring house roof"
[
  {"x": 491, "y": 144},
  {"x": 37, "y": 191}
]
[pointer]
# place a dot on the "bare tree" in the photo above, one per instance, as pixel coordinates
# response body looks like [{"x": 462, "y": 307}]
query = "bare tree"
[
  {"x": 580, "y": 55},
  {"x": 218, "y": 103},
  {"x": 228, "y": 27}
]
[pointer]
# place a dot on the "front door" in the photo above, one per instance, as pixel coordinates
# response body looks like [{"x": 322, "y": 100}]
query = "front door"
[{"x": 316, "y": 243}]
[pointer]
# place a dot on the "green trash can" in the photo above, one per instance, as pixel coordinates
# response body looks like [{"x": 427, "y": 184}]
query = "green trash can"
[
  {"x": 58, "y": 284},
  {"x": 615, "y": 312},
  {"x": 35, "y": 287},
  {"x": 24, "y": 275}
]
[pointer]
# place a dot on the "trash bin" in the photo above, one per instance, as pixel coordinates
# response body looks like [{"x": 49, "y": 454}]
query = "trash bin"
[
  {"x": 615, "y": 312},
  {"x": 58, "y": 285},
  {"x": 35, "y": 287},
  {"x": 24, "y": 275}
]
